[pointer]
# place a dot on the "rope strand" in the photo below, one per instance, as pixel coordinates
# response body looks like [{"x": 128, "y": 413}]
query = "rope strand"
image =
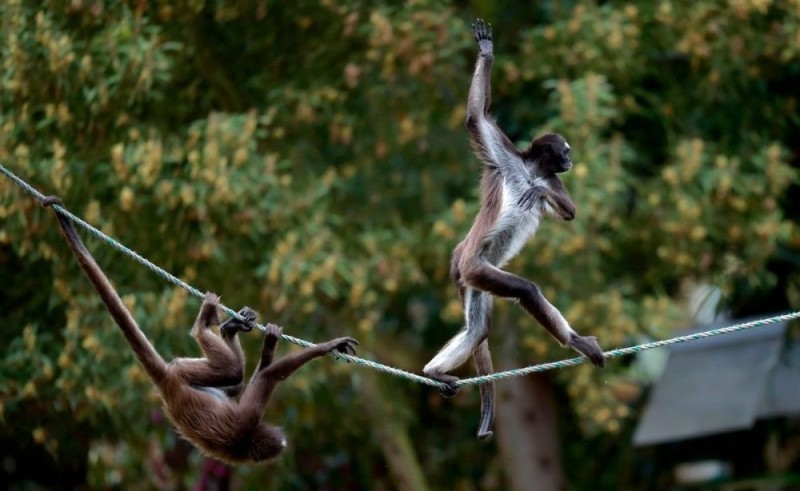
[
  {"x": 616, "y": 353},
  {"x": 385, "y": 368},
  {"x": 197, "y": 293}
]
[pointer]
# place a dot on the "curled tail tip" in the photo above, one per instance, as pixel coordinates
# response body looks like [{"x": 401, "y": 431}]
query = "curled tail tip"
[
  {"x": 485, "y": 435},
  {"x": 51, "y": 200}
]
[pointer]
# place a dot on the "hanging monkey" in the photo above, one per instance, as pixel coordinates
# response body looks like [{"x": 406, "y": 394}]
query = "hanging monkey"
[
  {"x": 518, "y": 188},
  {"x": 197, "y": 392}
]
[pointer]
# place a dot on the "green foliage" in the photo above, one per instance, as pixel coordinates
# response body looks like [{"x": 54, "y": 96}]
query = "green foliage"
[{"x": 312, "y": 162}]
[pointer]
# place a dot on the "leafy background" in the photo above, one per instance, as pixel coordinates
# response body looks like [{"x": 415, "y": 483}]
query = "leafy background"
[{"x": 311, "y": 161}]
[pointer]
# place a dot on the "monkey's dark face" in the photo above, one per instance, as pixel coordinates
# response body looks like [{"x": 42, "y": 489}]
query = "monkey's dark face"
[
  {"x": 551, "y": 153},
  {"x": 557, "y": 159}
]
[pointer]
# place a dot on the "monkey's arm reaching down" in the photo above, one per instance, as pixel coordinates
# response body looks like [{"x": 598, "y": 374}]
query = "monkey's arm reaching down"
[
  {"x": 556, "y": 198},
  {"x": 228, "y": 331},
  {"x": 559, "y": 200}
]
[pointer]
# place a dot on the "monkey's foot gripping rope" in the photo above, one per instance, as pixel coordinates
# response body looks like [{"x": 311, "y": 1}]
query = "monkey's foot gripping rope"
[{"x": 378, "y": 366}]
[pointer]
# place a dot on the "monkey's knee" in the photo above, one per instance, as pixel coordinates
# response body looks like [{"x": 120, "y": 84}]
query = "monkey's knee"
[
  {"x": 236, "y": 375},
  {"x": 231, "y": 376},
  {"x": 472, "y": 276},
  {"x": 481, "y": 275}
]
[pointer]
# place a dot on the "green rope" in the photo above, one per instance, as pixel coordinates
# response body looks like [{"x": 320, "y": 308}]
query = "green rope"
[
  {"x": 197, "y": 293},
  {"x": 633, "y": 349},
  {"x": 384, "y": 368}
]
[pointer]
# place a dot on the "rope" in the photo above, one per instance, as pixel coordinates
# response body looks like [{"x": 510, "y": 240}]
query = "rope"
[
  {"x": 633, "y": 349},
  {"x": 197, "y": 293},
  {"x": 385, "y": 368}
]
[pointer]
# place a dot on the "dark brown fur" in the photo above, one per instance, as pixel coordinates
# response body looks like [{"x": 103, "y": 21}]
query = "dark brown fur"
[{"x": 195, "y": 390}]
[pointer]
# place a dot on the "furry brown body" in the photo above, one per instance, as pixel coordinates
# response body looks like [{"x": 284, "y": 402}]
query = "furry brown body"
[
  {"x": 518, "y": 188},
  {"x": 198, "y": 393}
]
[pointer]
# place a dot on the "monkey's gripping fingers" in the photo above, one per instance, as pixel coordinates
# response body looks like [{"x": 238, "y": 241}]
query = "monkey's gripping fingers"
[
  {"x": 51, "y": 200},
  {"x": 209, "y": 315},
  {"x": 450, "y": 389},
  {"x": 272, "y": 331},
  {"x": 343, "y": 345},
  {"x": 481, "y": 30},
  {"x": 588, "y": 347},
  {"x": 210, "y": 299},
  {"x": 234, "y": 325},
  {"x": 529, "y": 198},
  {"x": 482, "y": 33}
]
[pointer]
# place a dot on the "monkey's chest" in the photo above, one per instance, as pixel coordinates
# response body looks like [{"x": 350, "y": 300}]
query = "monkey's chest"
[{"x": 511, "y": 231}]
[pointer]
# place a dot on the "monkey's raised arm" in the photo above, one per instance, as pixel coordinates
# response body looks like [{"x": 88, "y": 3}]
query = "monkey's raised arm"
[
  {"x": 480, "y": 92},
  {"x": 493, "y": 147}
]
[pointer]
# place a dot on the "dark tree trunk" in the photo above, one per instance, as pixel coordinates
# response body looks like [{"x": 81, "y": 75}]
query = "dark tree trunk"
[
  {"x": 526, "y": 423},
  {"x": 392, "y": 436}
]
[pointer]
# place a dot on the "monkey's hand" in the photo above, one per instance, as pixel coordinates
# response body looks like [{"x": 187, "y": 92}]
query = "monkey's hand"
[
  {"x": 272, "y": 331},
  {"x": 342, "y": 345},
  {"x": 234, "y": 325},
  {"x": 563, "y": 208},
  {"x": 209, "y": 315},
  {"x": 530, "y": 196},
  {"x": 482, "y": 33}
]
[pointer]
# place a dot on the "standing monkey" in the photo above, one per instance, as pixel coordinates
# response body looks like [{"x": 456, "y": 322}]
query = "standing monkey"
[
  {"x": 196, "y": 391},
  {"x": 518, "y": 187}
]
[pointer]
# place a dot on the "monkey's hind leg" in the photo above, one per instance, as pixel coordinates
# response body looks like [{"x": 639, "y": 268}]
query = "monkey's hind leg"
[
  {"x": 503, "y": 284},
  {"x": 223, "y": 365},
  {"x": 269, "y": 374},
  {"x": 450, "y": 357},
  {"x": 228, "y": 331},
  {"x": 290, "y": 363},
  {"x": 478, "y": 315}
]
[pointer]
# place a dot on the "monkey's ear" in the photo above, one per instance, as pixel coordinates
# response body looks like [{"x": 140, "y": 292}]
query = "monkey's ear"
[{"x": 539, "y": 150}]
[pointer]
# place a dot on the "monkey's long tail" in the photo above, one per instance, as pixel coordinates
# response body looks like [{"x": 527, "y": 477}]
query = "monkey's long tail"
[
  {"x": 483, "y": 366},
  {"x": 155, "y": 366}
]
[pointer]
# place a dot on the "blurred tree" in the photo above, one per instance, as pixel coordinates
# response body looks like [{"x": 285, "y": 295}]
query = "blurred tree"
[{"x": 318, "y": 152}]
